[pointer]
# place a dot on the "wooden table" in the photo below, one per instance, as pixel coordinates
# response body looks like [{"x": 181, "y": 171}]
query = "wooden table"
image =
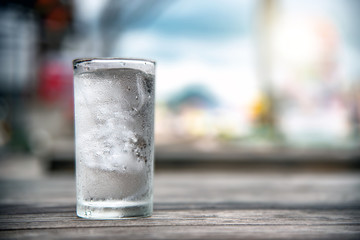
[{"x": 196, "y": 204}]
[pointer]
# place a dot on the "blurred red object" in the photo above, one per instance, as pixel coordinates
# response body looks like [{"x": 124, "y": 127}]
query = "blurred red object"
[{"x": 55, "y": 82}]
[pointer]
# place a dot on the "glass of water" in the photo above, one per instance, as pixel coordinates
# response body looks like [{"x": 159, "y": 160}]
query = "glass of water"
[{"x": 114, "y": 137}]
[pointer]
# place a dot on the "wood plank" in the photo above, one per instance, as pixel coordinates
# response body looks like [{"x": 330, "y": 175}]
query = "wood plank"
[
  {"x": 194, "y": 224},
  {"x": 193, "y": 232},
  {"x": 207, "y": 232},
  {"x": 196, "y": 205},
  {"x": 188, "y": 218}
]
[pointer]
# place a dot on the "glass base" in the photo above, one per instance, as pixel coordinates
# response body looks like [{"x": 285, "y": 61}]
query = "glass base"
[{"x": 113, "y": 209}]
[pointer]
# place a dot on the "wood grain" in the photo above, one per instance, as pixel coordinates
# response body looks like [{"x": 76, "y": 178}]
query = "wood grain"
[{"x": 195, "y": 205}]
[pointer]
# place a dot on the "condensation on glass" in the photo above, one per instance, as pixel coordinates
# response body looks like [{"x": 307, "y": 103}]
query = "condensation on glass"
[{"x": 114, "y": 137}]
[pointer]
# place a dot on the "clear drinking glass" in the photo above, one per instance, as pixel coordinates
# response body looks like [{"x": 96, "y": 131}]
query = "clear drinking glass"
[{"x": 114, "y": 137}]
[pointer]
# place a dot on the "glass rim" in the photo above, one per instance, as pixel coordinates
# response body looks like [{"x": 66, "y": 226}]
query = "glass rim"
[{"x": 114, "y": 59}]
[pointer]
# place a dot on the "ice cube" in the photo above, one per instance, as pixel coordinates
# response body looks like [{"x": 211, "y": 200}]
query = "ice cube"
[{"x": 124, "y": 89}]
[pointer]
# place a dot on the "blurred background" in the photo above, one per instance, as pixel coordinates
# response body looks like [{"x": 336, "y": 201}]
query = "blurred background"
[{"x": 238, "y": 81}]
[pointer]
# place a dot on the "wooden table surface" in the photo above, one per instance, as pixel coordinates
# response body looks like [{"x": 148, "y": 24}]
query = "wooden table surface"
[{"x": 196, "y": 204}]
